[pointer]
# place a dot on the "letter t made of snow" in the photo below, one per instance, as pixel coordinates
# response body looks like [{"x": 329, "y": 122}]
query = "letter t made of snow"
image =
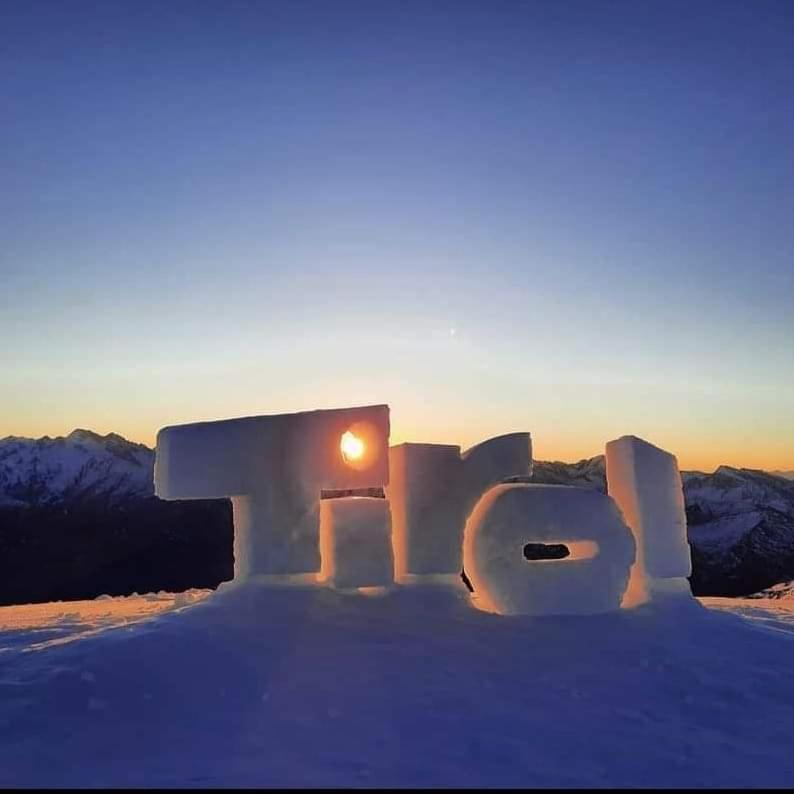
[{"x": 274, "y": 468}]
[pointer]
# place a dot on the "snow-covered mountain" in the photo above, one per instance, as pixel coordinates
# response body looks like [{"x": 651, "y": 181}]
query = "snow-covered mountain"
[
  {"x": 587, "y": 473},
  {"x": 741, "y": 529},
  {"x": 78, "y": 518},
  {"x": 82, "y": 465}
]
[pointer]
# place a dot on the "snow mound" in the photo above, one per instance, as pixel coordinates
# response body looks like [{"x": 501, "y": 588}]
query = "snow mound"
[{"x": 256, "y": 686}]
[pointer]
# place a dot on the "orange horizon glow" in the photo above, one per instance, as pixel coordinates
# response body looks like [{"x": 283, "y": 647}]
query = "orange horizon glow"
[
  {"x": 564, "y": 437},
  {"x": 549, "y": 443}
]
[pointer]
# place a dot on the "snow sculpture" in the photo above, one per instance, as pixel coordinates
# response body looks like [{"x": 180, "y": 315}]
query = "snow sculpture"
[
  {"x": 355, "y": 539},
  {"x": 590, "y": 579},
  {"x": 274, "y": 468},
  {"x": 526, "y": 548},
  {"x": 432, "y": 490},
  {"x": 646, "y": 484}
]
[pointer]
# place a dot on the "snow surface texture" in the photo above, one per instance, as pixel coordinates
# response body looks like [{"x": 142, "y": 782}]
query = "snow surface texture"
[
  {"x": 274, "y": 468},
  {"x": 591, "y": 580},
  {"x": 784, "y": 590},
  {"x": 432, "y": 490},
  {"x": 258, "y": 686},
  {"x": 646, "y": 484},
  {"x": 355, "y": 541}
]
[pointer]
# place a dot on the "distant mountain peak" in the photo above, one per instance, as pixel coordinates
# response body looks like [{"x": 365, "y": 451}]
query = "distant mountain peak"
[
  {"x": 81, "y": 435},
  {"x": 83, "y": 465}
]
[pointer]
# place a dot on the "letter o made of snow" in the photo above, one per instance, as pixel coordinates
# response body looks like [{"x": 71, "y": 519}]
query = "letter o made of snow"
[{"x": 591, "y": 579}]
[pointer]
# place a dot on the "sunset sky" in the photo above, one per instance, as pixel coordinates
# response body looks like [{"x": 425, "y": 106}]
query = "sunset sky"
[{"x": 572, "y": 218}]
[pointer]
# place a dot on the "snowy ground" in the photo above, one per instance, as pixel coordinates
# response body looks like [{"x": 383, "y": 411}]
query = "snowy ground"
[
  {"x": 299, "y": 687},
  {"x": 774, "y": 613}
]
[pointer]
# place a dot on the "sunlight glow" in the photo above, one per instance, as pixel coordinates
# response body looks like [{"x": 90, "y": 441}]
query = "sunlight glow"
[{"x": 352, "y": 446}]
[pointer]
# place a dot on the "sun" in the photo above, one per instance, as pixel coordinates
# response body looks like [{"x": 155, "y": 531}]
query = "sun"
[{"x": 352, "y": 446}]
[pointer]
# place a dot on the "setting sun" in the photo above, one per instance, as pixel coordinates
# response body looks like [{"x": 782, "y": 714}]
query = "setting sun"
[{"x": 352, "y": 446}]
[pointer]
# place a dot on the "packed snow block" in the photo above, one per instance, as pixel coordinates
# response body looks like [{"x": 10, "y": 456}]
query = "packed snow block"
[
  {"x": 433, "y": 488},
  {"x": 646, "y": 484},
  {"x": 233, "y": 457},
  {"x": 426, "y": 511},
  {"x": 355, "y": 538},
  {"x": 275, "y": 534},
  {"x": 493, "y": 460},
  {"x": 589, "y": 579},
  {"x": 274, "y": 468}
]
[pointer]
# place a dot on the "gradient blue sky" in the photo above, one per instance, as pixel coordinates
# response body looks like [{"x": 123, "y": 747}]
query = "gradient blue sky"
[{"x": 573, "y": 218}]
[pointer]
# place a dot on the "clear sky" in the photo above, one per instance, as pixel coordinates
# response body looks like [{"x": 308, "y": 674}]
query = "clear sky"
[{"x": 572, "y": 218}]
